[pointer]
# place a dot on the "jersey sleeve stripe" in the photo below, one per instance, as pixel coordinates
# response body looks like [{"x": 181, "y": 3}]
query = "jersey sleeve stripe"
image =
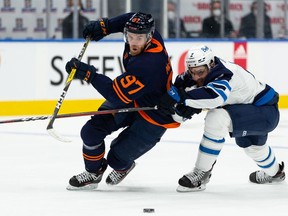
[
  {"x": 219, "y": 91},
  {"x": 120, "y": 93},
  {"x": 224, "y": 83}
]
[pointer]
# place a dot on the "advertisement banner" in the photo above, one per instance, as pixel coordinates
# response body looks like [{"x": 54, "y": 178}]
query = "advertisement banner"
[
  {"x": 240, "y": 54},
  {"x": 34, "y": 72}
]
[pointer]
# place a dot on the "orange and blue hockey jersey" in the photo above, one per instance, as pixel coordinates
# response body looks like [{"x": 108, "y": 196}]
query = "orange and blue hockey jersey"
[{"x": 146, "y": 78}]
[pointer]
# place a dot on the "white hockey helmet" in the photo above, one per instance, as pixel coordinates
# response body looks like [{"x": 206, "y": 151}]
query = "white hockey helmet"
[{"x": 198, "y": 56}]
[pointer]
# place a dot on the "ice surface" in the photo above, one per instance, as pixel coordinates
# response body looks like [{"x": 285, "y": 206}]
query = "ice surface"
[{"x": 35, "y": 169}]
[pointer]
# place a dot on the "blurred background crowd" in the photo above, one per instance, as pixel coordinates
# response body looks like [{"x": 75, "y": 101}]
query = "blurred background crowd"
[{"x": 57, "y": 19}]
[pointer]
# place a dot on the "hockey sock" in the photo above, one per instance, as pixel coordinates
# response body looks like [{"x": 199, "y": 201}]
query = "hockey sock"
[
  {"x": 217, "y": 126},
  {"x": 209, "y": 149},
  {"x": 264, "y": 157},
  {"x": 93, "y": 156}
]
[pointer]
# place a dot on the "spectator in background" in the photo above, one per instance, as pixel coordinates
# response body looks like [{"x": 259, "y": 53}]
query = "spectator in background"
[
  {"x": 248, "y": 24},
  {"x": 172, "y": 22},
  {"x": 211, "y": 25},
  {"x": 67, "y": 24}
]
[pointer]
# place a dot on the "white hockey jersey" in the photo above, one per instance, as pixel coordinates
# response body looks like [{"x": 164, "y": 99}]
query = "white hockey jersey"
[{"x": 226, "y": 83}]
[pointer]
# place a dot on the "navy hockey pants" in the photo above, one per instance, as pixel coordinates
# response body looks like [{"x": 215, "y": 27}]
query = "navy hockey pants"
[
  {"x": 137, "y": 137},
  {"x": 251, "y": 124}
]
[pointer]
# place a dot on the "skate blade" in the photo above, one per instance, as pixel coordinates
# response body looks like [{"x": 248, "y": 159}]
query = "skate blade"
[
  {"x": 89, "y": 187},
  {"x": 182, "y": 189},
  {"x": 116, "y": 183}
]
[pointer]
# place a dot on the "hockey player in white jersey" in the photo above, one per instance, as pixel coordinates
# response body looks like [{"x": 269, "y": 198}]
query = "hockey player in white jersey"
[{"x": 237, "y": 104}]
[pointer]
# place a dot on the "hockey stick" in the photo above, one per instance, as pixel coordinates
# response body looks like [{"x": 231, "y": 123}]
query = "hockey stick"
[
  {"x": 49, "y": 128},
  {"x": 101, "y": 112}
]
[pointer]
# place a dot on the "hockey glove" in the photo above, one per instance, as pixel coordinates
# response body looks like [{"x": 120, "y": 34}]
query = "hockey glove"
[
  {"x": 169, "y": 101},
  {"x": 83, "y": 71},
  {"x": 186, "y": 111},
  {"x": 96, "y": 30}
]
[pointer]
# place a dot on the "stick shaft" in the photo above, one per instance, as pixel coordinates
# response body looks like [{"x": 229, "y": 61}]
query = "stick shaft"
[
  {"x": 67, "y": 84},
  {"x": 35, "y": 118},
  {"x": 101, "y": 112}
]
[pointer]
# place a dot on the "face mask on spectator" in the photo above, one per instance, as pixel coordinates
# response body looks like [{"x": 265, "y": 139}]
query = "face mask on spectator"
[
  {"x": 216, "y": 12},
  {"x": 171, "y": 15}
]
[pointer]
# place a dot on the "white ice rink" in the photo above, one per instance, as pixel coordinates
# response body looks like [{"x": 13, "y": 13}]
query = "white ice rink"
[{"x": 35, "y": 169}]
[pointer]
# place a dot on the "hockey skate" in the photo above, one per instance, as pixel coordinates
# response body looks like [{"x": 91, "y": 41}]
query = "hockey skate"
[
  {"x": 115, "y": 177},
  {"x": 195, "y": 180},
  {"x": 260, "y": 177},
  {"x": 87, "y": 180}
]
